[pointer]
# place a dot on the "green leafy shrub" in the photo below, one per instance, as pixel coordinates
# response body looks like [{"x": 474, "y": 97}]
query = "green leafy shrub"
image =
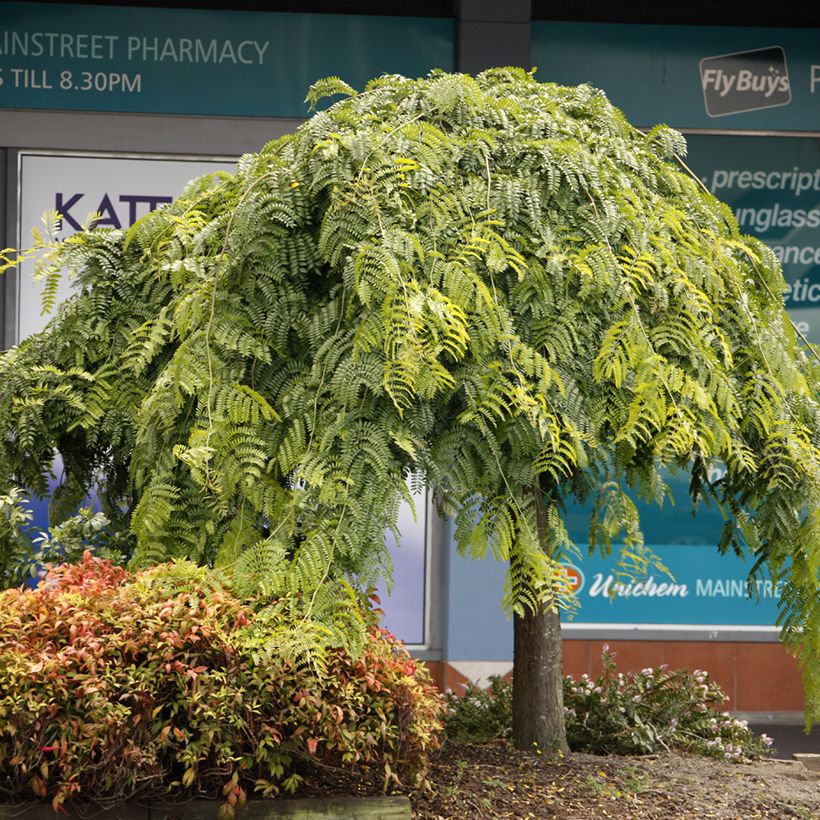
[
  {"x": 114, "y": 685},
  {"x": 621, "y": 713},
  {"x": 15, "y": 520},
  {"x": 479, "y": 713},
  {"x": 26, "y": 551}
]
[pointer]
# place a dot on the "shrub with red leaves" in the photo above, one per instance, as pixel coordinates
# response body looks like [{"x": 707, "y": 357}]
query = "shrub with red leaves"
[{"x": 114, "y": 685}]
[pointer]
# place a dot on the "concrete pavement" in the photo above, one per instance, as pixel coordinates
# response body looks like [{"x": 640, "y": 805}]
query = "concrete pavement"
[{"x": 789, "y": 738}]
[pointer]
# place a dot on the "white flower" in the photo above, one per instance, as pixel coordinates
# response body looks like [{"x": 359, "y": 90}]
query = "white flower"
[
  {"x": 648, "y": 671},
  {"x": 733, "y": 752},
  {"x": 766, "y": 740}
]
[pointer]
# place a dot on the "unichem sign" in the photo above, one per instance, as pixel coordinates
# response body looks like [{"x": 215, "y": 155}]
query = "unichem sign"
[
  {"x": 608, "y": 586},
  {"x": 703, "y": 588}
]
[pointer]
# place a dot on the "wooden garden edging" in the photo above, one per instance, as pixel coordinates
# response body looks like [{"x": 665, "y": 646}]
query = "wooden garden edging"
[{"x": 319, "y": 808}]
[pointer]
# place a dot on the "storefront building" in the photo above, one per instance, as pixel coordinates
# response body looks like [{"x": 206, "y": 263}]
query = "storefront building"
[{"x": 113, "y": 108}]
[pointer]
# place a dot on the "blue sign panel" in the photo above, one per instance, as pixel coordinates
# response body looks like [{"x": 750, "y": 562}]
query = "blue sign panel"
[
  {"x": 690, "y": 76},
  {"x": 704, "y": 592},
  {"x": 773, "y": 186},
  {"x": 184, "y": 61},
  {"x": 703, "y": 588}
]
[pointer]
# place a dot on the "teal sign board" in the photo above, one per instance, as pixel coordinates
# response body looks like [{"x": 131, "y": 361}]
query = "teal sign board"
[
  {"x": 706, "y": 593},
  {"x": 190, "y": 61},
  {"x": 702, "y": 589},
  {"x": 773, "y": 187},
  {"x": 690, "y": 76}
]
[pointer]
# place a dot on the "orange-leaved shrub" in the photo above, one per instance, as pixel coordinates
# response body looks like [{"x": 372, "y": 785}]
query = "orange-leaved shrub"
[{"x": 115, "y": 685}]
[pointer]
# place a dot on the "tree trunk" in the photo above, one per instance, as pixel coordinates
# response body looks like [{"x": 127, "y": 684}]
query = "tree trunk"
[{"x": 538, "y": 677}]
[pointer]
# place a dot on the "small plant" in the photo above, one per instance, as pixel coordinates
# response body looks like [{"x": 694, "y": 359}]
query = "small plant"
[
  {"x": 622, "y": 713},
  {"x": 634, "y": 782},
  {"x": 26, "y": 551},
  {"x": 66, "y": 543},
  {"x": 480, "y": 714},
  {"x": 598, "y": 785}
]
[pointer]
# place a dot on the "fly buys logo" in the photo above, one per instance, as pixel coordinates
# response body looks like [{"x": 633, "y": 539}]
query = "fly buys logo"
[{"x": 745, "y": 81}]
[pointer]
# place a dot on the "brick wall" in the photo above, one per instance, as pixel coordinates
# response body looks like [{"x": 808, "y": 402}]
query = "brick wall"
[{"x": 758, "y": 677}]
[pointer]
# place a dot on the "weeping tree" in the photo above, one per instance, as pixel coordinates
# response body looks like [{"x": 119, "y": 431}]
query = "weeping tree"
[{"x": 493, "y": 285}]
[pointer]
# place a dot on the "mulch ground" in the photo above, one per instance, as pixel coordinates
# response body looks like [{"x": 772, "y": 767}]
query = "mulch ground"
[
  {"x": 493, "y": 780},
  {"x": 472, "y": 781}
]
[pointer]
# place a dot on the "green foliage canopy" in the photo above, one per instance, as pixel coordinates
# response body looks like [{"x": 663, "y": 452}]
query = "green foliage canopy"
[{"x": 494, "y": 283}]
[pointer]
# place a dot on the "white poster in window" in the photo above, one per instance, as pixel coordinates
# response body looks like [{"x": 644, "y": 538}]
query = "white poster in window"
[
  {"x": 405, "y": 606},
  {"x": 122, "y": 189}
]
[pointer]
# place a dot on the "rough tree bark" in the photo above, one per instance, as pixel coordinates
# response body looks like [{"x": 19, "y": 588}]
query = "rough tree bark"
[{"x": 538, "y": 694}]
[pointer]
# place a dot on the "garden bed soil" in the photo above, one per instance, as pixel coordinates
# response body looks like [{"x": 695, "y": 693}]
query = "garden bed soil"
[
  {"x": 471, "y": 781},
  {"x": 493, "y": 780}
]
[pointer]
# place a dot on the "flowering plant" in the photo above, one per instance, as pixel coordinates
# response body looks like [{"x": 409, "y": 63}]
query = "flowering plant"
[
  {"x": 621, "y": 713},
  {"x": 654, "y": 709},
  {"x": 479, "y": 713}
]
